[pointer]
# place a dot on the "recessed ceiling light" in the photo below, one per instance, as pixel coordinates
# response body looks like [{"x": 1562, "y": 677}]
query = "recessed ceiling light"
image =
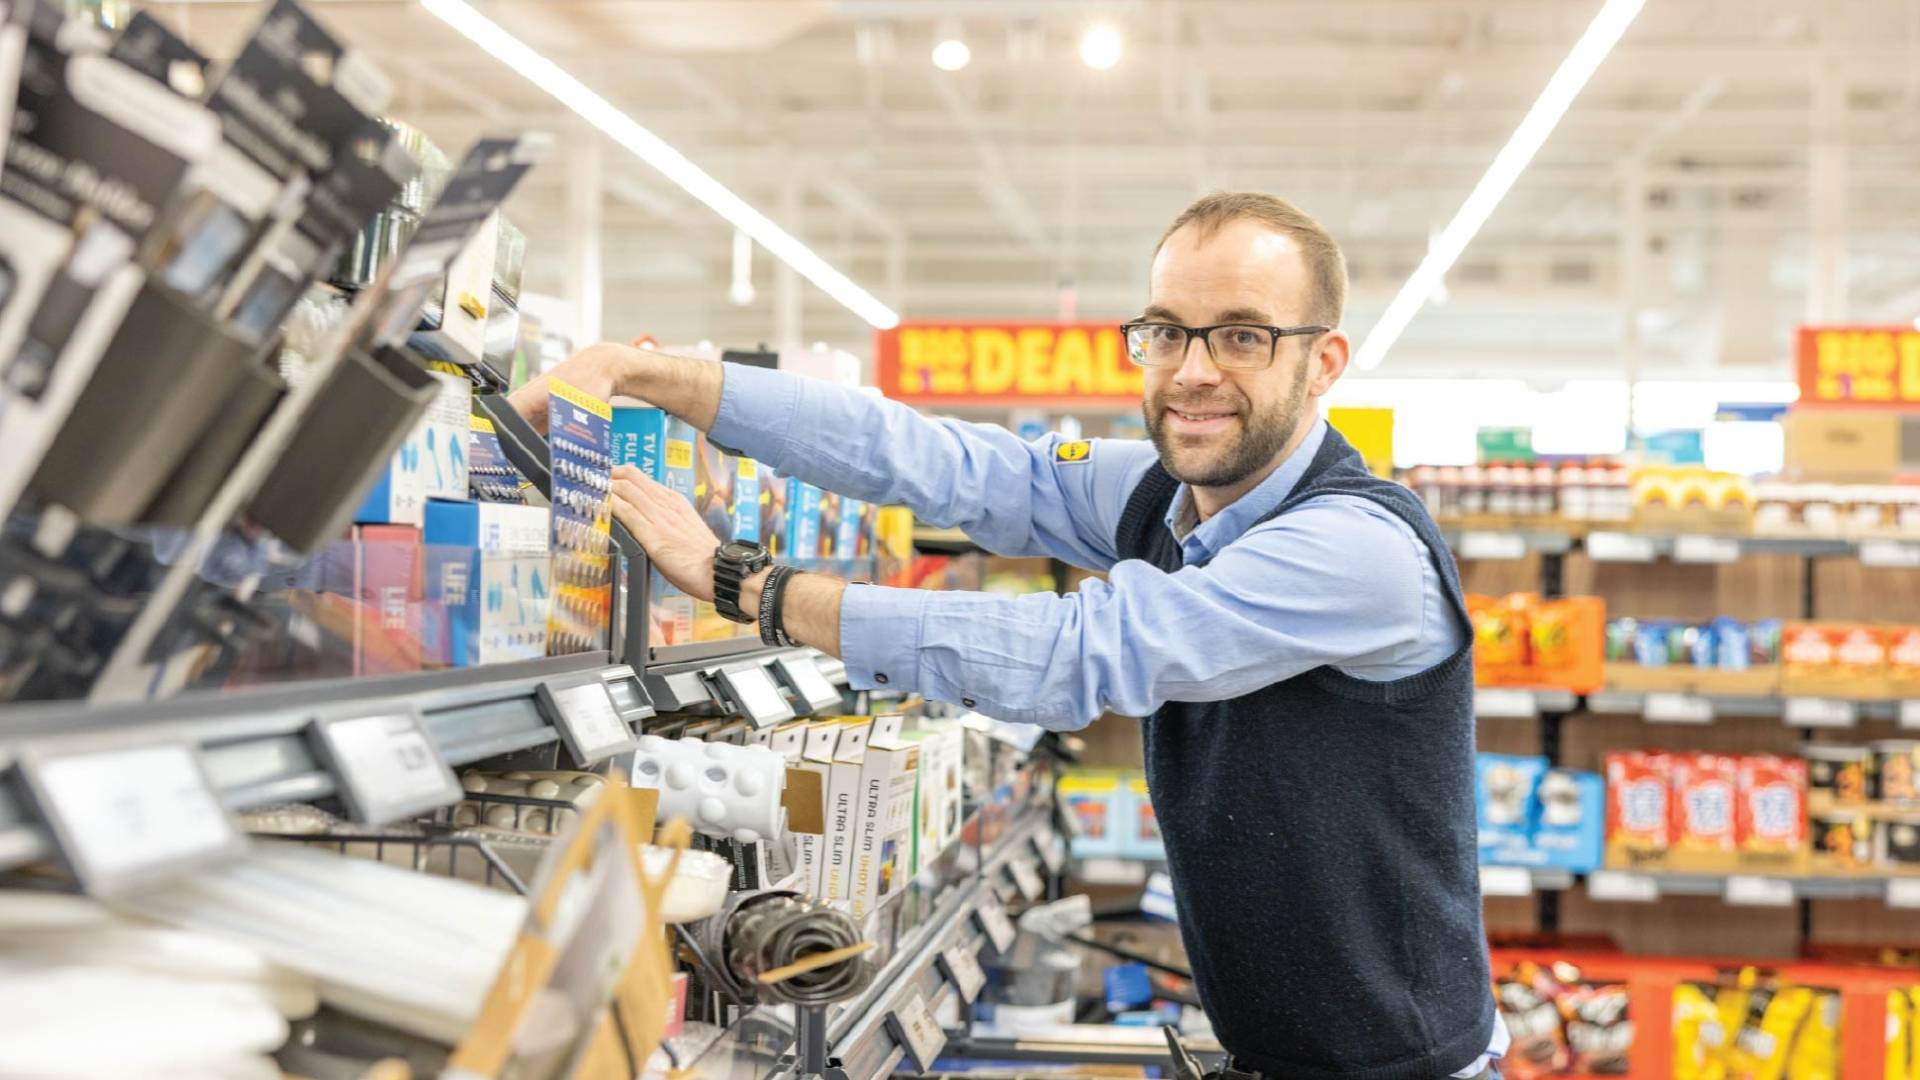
[
  {"x": 1100, "y": 47},
  {"x": 952, "y": 55}
]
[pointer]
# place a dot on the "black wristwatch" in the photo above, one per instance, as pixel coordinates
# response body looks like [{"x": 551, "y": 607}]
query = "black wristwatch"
[{"x": 734, "y": 562}]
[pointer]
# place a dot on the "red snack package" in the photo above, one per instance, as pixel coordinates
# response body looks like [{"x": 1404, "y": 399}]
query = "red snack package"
[
  {"x": 1808, "y": 648},
  {"x": 1771, "y": 811},
  {"x": 1860, "y": 651},
  {"x": 1526, "y": 996},
  {"x": 1703, "y": 798},
  {"x": 1639, "y": 790}
]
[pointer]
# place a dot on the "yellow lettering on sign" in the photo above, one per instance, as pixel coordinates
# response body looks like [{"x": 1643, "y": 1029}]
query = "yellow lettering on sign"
[
  {"x": 1033, "y": 345},
  {"x": 993, "y": 360},
  {"x": 1114, "y": 375},
  {"x": 1073, "y": 363},
  {"x": 1876, "y": 362},
  {"x": 1910, "y": 366},
  {"x": 1830, "y": 365},
  {"x": 914, "y": 362},
  {"x": 950, "y": 363}
]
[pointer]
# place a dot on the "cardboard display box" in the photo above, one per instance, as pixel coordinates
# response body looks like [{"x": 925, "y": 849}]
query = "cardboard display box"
[
  {"x": 1842, "y": 445},
  {"x": 843, "y": 799},
  {"x": 883, "y": 846}
]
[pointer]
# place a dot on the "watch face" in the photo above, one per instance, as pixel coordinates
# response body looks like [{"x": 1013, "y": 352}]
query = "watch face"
[{"x": 741, "y": 550}]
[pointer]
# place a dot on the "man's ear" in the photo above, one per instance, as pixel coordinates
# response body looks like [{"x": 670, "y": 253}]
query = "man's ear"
[{"x": 1329, "y": 362}]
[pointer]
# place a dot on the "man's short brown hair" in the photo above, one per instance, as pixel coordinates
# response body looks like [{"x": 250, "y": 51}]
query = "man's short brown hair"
[{"x": 1326, "y": 266}]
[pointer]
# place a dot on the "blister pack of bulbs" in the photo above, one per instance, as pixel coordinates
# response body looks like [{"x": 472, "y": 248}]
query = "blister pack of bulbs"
[{"x": 580, "y": 441}]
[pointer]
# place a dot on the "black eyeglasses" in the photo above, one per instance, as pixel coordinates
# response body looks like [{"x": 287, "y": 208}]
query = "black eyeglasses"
[{"x": 1239, "y": 346}]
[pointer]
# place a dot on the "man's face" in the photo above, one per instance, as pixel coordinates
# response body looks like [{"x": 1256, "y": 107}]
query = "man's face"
[{"x": 1213, "y": 427}]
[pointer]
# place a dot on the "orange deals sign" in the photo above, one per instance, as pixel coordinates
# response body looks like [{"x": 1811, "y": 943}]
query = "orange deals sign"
[
  {"x": 1058, "y": 365},
  {"x": 1859, "y": 365}
]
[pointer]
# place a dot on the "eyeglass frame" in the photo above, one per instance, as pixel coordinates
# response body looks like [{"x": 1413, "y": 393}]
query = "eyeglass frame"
[{"x": 1202, "y": 332}]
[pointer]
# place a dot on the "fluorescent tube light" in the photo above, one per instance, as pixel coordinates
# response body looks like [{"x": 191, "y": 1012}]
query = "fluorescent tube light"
[
  {"x": 657, "y": 152},
  {"x": 1599, "y": 39}
]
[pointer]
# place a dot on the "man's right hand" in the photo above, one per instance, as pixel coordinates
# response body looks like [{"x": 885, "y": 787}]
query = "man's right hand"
[{"x": 599, "y": 370}]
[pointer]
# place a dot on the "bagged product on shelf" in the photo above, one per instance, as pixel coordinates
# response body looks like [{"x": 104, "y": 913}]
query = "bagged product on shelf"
[
  {"x": 1903, "y": 661},
  {"x": 1599, "y": 1030},
  {"x": 1527, "y": 1000},
  {"x": 1770, "y": 819},
  {"x": 1571, "y": 829},
  {"x": 1640, "y": 822},
  {"x": 1808, "y": 649},
  {"x": 1773, "y": 1018},
  {"x": 1816, "y": 1046},
  {"x": 1899, "y": 1036},
  {"x": 1703, "y": 806},
  {"x": 1696, "y": 1035},
  {"x": 1621, "y": 636},
  {"x": 1499, "y": 630}
]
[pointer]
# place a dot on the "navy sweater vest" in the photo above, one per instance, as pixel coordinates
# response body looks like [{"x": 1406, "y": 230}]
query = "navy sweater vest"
[{"x": 1320, "y": 834}]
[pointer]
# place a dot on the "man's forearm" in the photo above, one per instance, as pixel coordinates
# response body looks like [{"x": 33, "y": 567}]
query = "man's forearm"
[
  {"x": 689, "y": 389},
  {"x": 810, "y": 610}
]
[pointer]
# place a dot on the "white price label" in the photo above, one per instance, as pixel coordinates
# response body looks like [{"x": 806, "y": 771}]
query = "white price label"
[
  {"x": 1759, "y": 891},
  {"x": 1903, "y": 893},
  {"x": 124, "y": 816},
  {"x": 1910, "y": 714},
  {"x": 1026, "y": 876},
  {"x": 1706, "y": 549},
  {"x": 589, "y": 724},
  {"x": 1506, "y": 704},
  {"x": 1052, "y": 851},
  {"x": 1678, "y": 709},
  {"x": 963, "y": 967},
  {"x": 919, "y": 1034},
  {"x": 1889, "y": 553},
  {"x": 1506, "y": 881},
  {"x": 1112, "y": 872},
  {"x": 1619, "y": 547},
  {"x": 1000, "y": 929},
  {"x": 1821, "y": 712},
  {"x": 1492, "y": 545},
  {"x": 1629, "y": 888},
  {"x": 386, "y": 766}
]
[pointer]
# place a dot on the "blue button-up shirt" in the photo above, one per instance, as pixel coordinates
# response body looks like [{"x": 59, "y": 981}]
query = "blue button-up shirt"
[{"x": 1338, "y": 581}]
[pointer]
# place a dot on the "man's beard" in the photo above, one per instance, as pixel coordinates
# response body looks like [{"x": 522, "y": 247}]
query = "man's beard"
[{"x": 1262, "y": 435}]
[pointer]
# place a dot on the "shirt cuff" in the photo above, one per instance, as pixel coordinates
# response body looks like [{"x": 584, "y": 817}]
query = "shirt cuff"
[
  {"x": 880, "y": 636},
  {"x": 757, "y": 407}
]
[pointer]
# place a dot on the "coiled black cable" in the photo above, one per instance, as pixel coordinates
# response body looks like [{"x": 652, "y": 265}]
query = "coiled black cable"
[{"x": 761, "y": 932}]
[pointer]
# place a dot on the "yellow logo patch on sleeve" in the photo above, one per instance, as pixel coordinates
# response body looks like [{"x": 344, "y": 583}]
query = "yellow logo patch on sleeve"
[{"x": 1070, "y": 453}]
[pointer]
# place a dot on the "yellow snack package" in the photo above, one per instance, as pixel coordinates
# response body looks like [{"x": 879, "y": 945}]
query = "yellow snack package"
[
  {"x": 1767, "y": 1034},
  {"x": 1816, "y": 1050},
  {"x": 1695, "y": 1021}
]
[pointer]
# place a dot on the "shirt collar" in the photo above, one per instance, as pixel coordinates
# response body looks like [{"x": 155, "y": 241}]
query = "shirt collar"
[{"x": 1204, "y": 540}]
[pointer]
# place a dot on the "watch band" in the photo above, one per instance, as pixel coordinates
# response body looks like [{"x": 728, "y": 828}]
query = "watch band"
[
  {"x": 728, "y": 573},
  {"x": 771, "y": 595}
]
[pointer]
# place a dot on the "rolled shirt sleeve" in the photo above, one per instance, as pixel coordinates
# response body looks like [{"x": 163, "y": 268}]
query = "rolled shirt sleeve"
[{"x": 1331, "y": 583}]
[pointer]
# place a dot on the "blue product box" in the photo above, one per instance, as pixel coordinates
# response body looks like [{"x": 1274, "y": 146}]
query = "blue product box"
[
  {"x": 803, "y": 521},
  {"x": 639, "y": 436},
  {"x": 1506, "y": 793},
  {"x": 399, "y": 495},
  {"x": 488, "y": 582},
  {"x": 1571, "y": 833},
  {"x": 661, "y": 447},
  {"x": 746, "y": 499}
]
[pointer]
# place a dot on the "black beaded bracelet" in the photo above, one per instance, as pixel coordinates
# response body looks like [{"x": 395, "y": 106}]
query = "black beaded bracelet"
[{"x": 771, "y": 592}]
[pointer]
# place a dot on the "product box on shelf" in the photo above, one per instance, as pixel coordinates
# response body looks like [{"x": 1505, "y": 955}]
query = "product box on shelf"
[
  {"x": 1770, "y": 817},
  {"x": 1570, "y": 832},
  {"x": 445, "y": 432},
  {"x": 580, "y": 457},
  {"x": 399, "y": 492},
  {"x": 726, "y": 492},
  {"x": 1639, "y": 808},
  {"x": 1522, "y": 640},
  {"x": 1903, "y": 662},
  {"x": 1506, "y": 788},
  {"x": 1142, "y": 837},
  {"x": 843, "y": 809},
  {"x": 1094, "y": 798},
  {"x": 883, "y": 845},
  {"x": 1840, "y": 841},
  {"x": 488, "y": 582},
  {"x": 816, "y": 756},
  {"x": 388, "y": 584},
  {"x": 803, "y": 522},
  {"x": 491, "y": 477},
  {"x": 1838, "y": 775},
  {"x": 660, "y": 447},
  {"x": 1896, "y": 772},
  {"x": 1689, "y": 499},
  {"x": 1834, "y": 660},
  {"x": 937, "y": 808},
  {"x": 1843, "y": 445},
  {"x": 1896, "y": 843}
]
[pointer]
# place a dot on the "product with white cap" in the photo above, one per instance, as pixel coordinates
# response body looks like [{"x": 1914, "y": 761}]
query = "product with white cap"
[{"x": 727, "y": 791}]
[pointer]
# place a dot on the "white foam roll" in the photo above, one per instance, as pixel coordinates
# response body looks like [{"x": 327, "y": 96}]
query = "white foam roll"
[{"x": 723, "y": 790}]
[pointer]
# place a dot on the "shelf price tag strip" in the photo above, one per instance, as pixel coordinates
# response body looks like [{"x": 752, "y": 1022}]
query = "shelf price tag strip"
[
  {"x": 588, "y": 723},
  {"x": 962, "y": 965},
  {"x": 1506, "y": 881},
  {"x": 1678, "y": 709},
  {"x": 1619, "y": 547},
  {"x": 1026, "y": 877},
  {"x": 1052, "y": 851},
  {"x": 1759, "y": 891},
  {"x": 1505, "y": 704},
  {"x": 1492, "y": 545},
  {"x": 1706, "y": 549},
  {"x": 1903, "y": 892},
  {"x": 385, "y": 765},
  {"x": 1820, "y": 712},
  {"x": 130, "y": 815},
  {"x": 1630, "y": 888},
  {"x": 993, "y": 919},
  {"x": 1889, "y": 553},
  {"x": 914, "y": 1028},
  {"x": 1910, "y": 714}
]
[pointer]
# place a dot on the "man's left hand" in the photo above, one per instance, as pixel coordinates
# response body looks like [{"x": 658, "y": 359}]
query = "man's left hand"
[{"x": 666, "y": 524}]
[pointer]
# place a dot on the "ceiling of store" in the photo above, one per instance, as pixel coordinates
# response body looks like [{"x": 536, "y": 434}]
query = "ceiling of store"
[{"x": 984, "y": 192}]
